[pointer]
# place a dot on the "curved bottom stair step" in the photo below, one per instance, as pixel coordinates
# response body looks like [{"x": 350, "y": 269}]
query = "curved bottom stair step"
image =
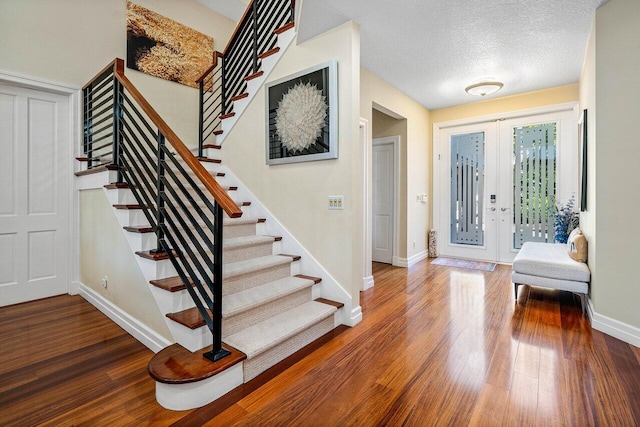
[
  {"x": 177, "y": 365},
  {"x": 268, "y": 342}
]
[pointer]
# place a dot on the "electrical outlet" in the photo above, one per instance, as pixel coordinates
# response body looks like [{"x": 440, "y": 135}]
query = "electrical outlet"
[
  {"x": 336, "y": 202},
  {"x": 104, "y": 281}
]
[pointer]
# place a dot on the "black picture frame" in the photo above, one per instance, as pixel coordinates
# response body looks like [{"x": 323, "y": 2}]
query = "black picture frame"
[{"x": 324, "y": 77}]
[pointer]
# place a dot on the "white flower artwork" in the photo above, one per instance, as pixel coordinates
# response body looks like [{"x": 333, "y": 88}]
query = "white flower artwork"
[{"x": 301, "y": 116}]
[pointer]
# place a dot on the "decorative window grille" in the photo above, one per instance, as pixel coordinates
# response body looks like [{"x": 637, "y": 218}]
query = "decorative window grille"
[
  {"x": 467, "y": 188},
  {"x": 534, "y": 182}
]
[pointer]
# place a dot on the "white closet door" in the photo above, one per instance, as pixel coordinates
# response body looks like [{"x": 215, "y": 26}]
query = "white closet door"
[
  {"x": 34, "y": 195},
  {"x": 383, "y": 202}
]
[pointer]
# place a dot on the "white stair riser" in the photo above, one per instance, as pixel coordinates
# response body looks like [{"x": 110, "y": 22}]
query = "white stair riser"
[
  {"x": 154, "y": 270},
  {"x": 142, "y": 241},
  {"x": 191, "y": 339},
  {"x": 171, "y": 302},
  {"x": 239, "y": 230},
  {"x": 250, "y": 280},
  {"x": 255, "y": 366},
  {"x": 130, "y": 217},
  {"x": 247, "y": 252},
  {"x": 235, "y": 323},
  {"x": 180, "y": 397},
  {"x": 122, "y": 196}
]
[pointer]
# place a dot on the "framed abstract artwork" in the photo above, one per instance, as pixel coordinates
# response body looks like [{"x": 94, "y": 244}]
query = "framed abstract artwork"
[
  {"x": 164, "y": 48},
  {"x": 302, "y": 116}
]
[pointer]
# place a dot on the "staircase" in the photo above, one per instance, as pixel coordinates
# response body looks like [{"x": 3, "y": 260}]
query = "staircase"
[
  {"x": 263, "y": 310},
  {"x": 269, "y": 309}
]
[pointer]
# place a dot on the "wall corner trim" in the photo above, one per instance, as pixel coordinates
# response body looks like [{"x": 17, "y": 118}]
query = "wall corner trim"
[
  {"x": 143, "y": 333},
  {"x": 367, "y": 282},
  {"x": 408, "y": 262},
  {"x": 355, "y": 316}
]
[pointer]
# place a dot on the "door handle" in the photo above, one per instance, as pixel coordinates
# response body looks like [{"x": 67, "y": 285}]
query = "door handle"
[
  {"x": 493, "y": 208},
  {"x": 504, "y": 209}
]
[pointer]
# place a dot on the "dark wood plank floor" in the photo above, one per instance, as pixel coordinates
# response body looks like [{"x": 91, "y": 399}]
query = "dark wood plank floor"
[{"x": 437, "y": 346}]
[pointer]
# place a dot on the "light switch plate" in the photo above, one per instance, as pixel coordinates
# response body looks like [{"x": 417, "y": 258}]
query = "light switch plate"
[{"x": 336, "y": 202}]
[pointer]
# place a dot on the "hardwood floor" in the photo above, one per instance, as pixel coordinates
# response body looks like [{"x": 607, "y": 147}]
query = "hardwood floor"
[{"x": 437, "y": 346}]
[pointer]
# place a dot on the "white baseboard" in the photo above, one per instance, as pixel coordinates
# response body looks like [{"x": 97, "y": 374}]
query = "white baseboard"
[
  {"x": 74, "y": 288},
  {"x": 408, "y": 262},
  {"x": 147, "y": 336},
  {"x": 356, "y": 316},
  {"x": 615, "y": 328},
  {"x": 367, "y": 282}
]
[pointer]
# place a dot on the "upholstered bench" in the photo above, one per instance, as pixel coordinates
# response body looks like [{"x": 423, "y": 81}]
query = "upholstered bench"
[{"x": 550, "y": 265}]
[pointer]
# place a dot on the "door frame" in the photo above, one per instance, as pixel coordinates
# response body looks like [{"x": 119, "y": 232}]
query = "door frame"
[
  {"x": 395, "y": 141},
  {"x": 74, "y": 95},
  {"x": 367, "y": 221},
  {"x": 437, "y": 146}
]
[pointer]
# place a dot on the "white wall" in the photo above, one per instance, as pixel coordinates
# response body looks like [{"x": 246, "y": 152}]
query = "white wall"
[
  {"x": 104, "y": 251},
  {"x": 415, "y": 158},
  {"x": 297, "y": 194},
  {"x": 615, "y": 291},
  {"x": 588, "y": 101},
  {"x": 70, "y": 41}
]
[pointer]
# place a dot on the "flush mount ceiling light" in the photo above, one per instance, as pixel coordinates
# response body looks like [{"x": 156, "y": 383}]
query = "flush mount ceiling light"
[{"x": 482, "y": 88}]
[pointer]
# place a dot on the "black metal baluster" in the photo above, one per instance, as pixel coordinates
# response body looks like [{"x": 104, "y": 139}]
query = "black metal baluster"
[
  {"x": 223, "y": 66},
  {"x": 159, "y": 193},
  {"x": 117, "y": 126},
  {"x": 88, "y": 124},
  {"x": 255, "y": 36},
  {"x": 217, "y": 352}
]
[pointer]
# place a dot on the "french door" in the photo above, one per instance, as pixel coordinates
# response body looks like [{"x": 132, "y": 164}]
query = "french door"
[{"x": 499, "y": 181}]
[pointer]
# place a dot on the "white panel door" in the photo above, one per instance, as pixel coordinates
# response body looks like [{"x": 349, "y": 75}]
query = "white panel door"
[
  {"x": 383, "y": 202},
  {"x": 35, "y": 194}
]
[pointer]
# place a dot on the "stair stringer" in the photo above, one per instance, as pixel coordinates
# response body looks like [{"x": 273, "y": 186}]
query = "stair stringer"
[
  {"x": 351, "y": 313},
  {"x": 253, "y": 86}
]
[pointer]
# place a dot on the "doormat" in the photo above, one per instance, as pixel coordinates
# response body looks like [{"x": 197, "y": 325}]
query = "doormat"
[{"x": 463, "y": 263}]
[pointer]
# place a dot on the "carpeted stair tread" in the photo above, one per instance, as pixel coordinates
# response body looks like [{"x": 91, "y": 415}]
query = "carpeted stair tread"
[
  {"x": 240, "y": 221},
  {"x": 265, "y": 335},
  {"x": 245, "y": 241},
  {"x": 245, "y": 300},
  {"x": 238, "y": 268}
]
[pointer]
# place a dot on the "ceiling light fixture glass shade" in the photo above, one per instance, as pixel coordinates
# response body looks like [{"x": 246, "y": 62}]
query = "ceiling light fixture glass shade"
[{"x": 483, "y": 88}]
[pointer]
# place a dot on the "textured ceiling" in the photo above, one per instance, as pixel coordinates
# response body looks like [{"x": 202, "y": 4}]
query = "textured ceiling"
[
  {"x": 232, "y": 9},
  {"x": 432, "y": 49}
]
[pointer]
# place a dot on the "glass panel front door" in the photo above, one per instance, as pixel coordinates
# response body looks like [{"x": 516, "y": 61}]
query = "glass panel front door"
[
  {"x": 467, "y": 188},
  {"x": 534, "y": 183}
]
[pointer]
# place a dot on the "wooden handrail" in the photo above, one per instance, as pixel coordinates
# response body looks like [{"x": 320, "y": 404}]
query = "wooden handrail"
[
  {"x": 219, "y": 194},
  {"x": 115, "y": 65},
  {"x": 216, "y": 55}
]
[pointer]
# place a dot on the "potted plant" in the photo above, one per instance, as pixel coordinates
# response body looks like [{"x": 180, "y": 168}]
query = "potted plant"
[{"x": 565, "y": 219}]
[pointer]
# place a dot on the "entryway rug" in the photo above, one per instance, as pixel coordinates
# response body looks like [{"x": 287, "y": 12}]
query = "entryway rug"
[{"x": 463, "y": 263}]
